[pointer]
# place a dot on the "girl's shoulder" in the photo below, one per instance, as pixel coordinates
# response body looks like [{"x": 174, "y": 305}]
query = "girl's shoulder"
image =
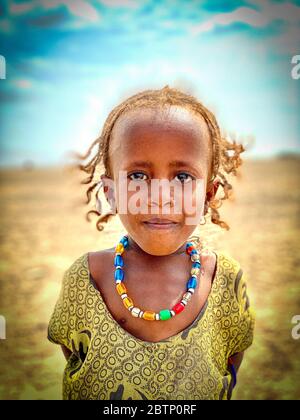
[{"x": 231, "y": 274}]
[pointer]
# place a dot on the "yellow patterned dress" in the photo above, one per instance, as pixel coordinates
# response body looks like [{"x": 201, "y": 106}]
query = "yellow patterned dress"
[{"x": 108, "y": 363}]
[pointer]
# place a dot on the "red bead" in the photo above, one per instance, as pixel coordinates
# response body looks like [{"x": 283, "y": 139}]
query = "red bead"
[
  {"x": 178, "y": 307},
  {"x": 189, "y": 249}
]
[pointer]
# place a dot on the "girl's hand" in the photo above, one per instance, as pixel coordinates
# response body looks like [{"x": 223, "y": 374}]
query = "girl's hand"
[{"x": 236, "y": 360}]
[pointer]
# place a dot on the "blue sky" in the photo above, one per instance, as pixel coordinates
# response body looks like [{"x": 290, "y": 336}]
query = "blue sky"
[{"x": 69, "y": 62}]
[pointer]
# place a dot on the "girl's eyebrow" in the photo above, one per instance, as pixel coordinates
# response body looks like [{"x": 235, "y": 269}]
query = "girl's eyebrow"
[{"x": 173, "y": 163}]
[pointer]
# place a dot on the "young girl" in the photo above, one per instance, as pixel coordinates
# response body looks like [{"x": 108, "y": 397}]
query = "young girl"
[{"x": 155, "y": 316}]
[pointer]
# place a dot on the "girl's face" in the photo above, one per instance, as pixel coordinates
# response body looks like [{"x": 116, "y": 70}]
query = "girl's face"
[{"x": 150, "y": 146}]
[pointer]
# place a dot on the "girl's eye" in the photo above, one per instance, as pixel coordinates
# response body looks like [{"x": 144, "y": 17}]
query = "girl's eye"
[
  {"x": 184, "y": 177},
  {"x": 137, "y": 176}
]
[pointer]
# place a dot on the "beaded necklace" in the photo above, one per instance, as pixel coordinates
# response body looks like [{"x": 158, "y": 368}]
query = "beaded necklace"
[{"x": 164, "y": 314}]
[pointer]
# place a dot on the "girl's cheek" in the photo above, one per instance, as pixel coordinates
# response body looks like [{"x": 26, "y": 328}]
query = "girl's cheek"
[{"x": 193, "y": 200}]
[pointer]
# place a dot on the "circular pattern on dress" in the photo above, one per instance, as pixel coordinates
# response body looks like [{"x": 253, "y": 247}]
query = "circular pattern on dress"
[
  {"x": 104, "y": 350},
  {"x": 170, "y": 365},
  {"x": 112, "y": 360},
  {"x": 161, "y": 377},
  {"x": 146, "y": 371},
  {"x": 96, "y": 364},
  {"x": 103, "y": 373},
  {"x": 112, "y": 337},
  {"x": 161, "y": 355},
  {"x": 189, "y": 386},
  {"x": 121, "y": 352},
  {"x": 128, "y": 367},
  {"x": 139, "y": 357},
  {"x": 130, "y": 344},
  {"x": 179, "y": 375},
  {"x": 136, "y": 380},
  {"x": 97, "y": 342},
  {"x": 226, "y": 323},
  {"x": 110, "y": 384},
  {"x": 189, "y": 362},
  {"x": 170, "y": 388},
  {"x": 118, "y": 375},
  {"x": 104, "y": 327},
  {"x": 81, "y": 284}
]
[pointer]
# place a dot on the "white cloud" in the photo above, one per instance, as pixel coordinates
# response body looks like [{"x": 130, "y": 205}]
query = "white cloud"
[
  {"x": 83, "y": 9},
  {"x": 120, "y": 3},
  {"x": 79, "y": 8},
  {"x": 242, "y": 14},
  {"x": 268, "y": 13}
]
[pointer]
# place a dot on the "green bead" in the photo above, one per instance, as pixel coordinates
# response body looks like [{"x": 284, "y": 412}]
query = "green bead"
[{"x": 164, "y": 314}]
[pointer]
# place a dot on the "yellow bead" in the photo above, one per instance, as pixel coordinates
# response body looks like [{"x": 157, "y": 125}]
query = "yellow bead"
[
  {"x": 121, "y": 288},
  {"x": 195, "y": 270},
  {"x": 149, "y": 315},
  {"x": 128, "y": 302},
  {"x": 119, "y": 248}
]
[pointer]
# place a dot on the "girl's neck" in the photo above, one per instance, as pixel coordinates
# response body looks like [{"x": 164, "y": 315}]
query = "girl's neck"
[{"x": 137, "y": 249}]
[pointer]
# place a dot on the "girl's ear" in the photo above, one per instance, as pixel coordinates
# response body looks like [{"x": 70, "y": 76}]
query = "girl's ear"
[
  {"x": 109, "y": 190},
  {"x": 212, "y": 190}
]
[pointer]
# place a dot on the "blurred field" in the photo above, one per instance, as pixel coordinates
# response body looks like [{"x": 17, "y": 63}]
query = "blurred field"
[{"x": 43, "y": 230}]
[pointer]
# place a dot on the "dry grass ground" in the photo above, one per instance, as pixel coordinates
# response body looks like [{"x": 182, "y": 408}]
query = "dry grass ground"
[{"x": 43, "y": 230}]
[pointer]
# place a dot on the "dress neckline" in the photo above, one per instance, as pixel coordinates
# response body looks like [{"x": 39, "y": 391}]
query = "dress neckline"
[{"x": 170, "y": 339}]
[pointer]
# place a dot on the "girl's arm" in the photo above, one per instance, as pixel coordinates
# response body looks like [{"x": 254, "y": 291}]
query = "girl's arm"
[
  {"x": 67, "y": 353},
  {"x": 234, "y": 363}
]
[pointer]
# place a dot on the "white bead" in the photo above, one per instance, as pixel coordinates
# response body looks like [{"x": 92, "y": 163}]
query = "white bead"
[
  {"x": 118, "y": 281},
  {"x": 187, "y": 296},
  {"x": 124, "y": 295},
  {"x": 157, "y": 317},
  {"x": 184, "y": 302},
  {"x": 194, "y": 275},
  {"x": 135, "y": 312},
  {"x": 141, "y": 314},
  {"x": 191, "y": 290},
  {"x": 172, "y": 313},
  {"x": 130, "y": 308},
  {"x": 118, "y": 266},
  {"x": 195, "y": 258}
]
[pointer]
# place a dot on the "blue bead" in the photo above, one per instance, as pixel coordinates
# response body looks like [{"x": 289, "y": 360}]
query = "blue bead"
[
  {"x": 124, "y": 241},
  {"x": 119, "y": 274},
  {"x": 196, "y": 265},
  {"x": 192, "y": 283},
  {"x": 189, "y": 244},
  {"x": 193, "y": 252},
  {"x": 119, "y": 261}
]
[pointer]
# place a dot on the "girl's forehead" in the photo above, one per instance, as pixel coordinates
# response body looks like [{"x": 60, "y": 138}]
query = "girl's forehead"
[
  {"x": 160, "y": 136},
  {"x": 169, "y": 118}
]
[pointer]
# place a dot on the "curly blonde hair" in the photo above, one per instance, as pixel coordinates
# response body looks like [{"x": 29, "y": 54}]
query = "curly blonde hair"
[{"x": 225, "y": 154}]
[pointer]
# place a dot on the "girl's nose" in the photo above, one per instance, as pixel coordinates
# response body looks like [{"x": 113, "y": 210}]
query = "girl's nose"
[{"x": 161, "y": 196}]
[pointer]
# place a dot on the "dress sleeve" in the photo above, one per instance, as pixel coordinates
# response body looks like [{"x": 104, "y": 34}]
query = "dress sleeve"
[
  {"x": 246, "y": 314},
  {"x": 62, "y": 320}
]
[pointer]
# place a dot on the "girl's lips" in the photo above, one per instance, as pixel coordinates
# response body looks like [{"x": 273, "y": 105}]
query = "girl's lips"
[{"x": 164, "y": 225}]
